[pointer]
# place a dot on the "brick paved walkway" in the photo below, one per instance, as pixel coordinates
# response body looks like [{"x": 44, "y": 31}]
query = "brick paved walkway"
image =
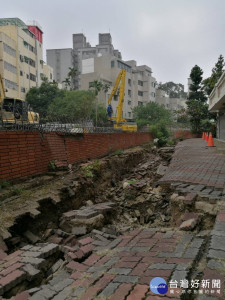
[
  {"x": 195, "y": 163},
  {"x": 119, "y": 269}
]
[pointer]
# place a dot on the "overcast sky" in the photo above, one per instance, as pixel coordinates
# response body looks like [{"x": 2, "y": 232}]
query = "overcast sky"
[{"x": 170, "y": 36}]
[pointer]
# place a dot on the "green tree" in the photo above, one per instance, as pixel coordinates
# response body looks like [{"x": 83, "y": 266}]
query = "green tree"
[
  {"x": 72, "y": 75},
  {"x": 74, "y": 104},
  {"x": 173, "y": 90},
  {"x": 196, "y": 103},
  {"x": 105, "y": 87},
  {"x": 97, "y": 86},
  {"x": 151, "y": 113},
  {"x": 67, "y": 82},
  {"x": 40, "y": 98},
  {"x": 198, "y": 114},
  {"x": 196, "y": 88},
  {"x": 217, "y": 71}
]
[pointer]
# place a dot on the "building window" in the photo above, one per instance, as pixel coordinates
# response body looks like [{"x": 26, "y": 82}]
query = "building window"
[
  {"x": 9, "y": 67},
  {"x": 129, "y": 102},
  {"x": 140, "y": 82},
  {"x": 129, "y": 93},
  {"x": 115, "y": 98},
  {"x": 27, "y": 76},
  {"x": 140, "y": 103},
  {"x": 129, "y": 81},
  {"x": 23, "y": 90},
  {"x": 112, "y": 63},
  {"x": 32, "y": 77},
  {"x": 123, "y": 66},
  {"x": 140, "y": 93},
  {"x": 9, "y": 50},
  {"x": 153, "y": 84},
  {"x": 129, "y": 114},
  {"x": 50, "y": 75},
  {"x": 21, "y": 73},
  {"x": 90, "y": 84},
  {"x": 10, "y": 84},
  {"x": 153, "y": 94}
]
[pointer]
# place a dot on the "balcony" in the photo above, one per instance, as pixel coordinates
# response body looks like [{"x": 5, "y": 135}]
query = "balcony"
[{"x": 217, "y": 96}]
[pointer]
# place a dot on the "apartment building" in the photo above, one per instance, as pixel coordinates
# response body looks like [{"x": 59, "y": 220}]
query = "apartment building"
[
  {"x": 21, "y": 56},
  {"x": 139, "y": 86},
  {"x": 60, "y": 60},
  {"x": 172, "y": 104},
  {"x": 103, "y": 63}
]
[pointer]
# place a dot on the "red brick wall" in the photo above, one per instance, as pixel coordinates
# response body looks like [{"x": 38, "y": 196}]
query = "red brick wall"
[
  {"x": 185, "y": 134},
  {"x": 29, "y": 153}
]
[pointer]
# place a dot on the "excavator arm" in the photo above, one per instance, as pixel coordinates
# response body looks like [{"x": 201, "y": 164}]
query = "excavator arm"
[{"x": 120, "y": 80}]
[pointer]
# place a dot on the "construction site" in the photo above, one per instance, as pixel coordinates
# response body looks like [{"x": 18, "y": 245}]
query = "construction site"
[{"x": 108, "y": 217}]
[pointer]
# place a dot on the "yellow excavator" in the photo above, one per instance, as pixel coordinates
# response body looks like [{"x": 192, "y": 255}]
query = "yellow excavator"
[
  {"x": 14, "y": 110},
  {"x": 118, "y": 122}
]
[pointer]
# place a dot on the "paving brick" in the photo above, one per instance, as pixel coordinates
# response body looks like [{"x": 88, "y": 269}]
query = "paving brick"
[
  {"x": 30, "y": 271},
  {"x": 11, "y": 269},
  {"x": 49, "y": 250},
  {"x": 91, "y": 260},
  {"x": 59, "y": 286},
  {"x": 112, "y": 261},
  {"x": 121, "y": 271},
  {"x": 151, "y": 260},
  {"x": 85, "y": 241},
  {"x": 87, "y": 249},
  {"x": 126, "y": 279},
  {"x": 139, "y": 269},
  {"x": 90, "y": 293},
  {"x": 216, "y": 254},
  {"x": 47, "y": 292},
  {"x": 102, "y": 260},
  {"x": 138, "y": 292},
  {"x": 33, "y": 261},
  {"x": 130, "y": 259},
  {"x": 13, "y": 255},
  {"x": 158, "y": 273},
  {"x": 191, "y": 253},
  {"x": 122, "y": 291},
  {"x": 12, "y": 280},
  {"x": 163, "y": 266},
  {"x": 22, "y": 296},
  {"x": 215, "y": 264},
  {"x": 179, "y": 275},
  {"x": 109, "y": 291},
  {"x": 97, "y": 269},
  {"x": 75, "y": 266},
  {"x": 126, "y": 264},
  {"x": 217, "y": 243}
]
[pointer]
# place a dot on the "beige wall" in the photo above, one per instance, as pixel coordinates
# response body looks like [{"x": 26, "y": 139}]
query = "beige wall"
[
  {"x": 15, "y": 37},
  {"x": 48, "y": 72}
]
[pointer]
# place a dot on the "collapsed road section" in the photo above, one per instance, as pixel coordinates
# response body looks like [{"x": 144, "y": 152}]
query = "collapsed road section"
[{"x": 105, "y": 229}]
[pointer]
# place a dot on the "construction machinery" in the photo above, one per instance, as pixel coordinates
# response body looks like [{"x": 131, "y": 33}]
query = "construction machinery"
[
  {"x": 118, "y": 122},
  {"x": 14, "y": 110}
]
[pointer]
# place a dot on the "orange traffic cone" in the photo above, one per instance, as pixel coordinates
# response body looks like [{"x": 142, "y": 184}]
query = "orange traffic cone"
[
  {"x": 203, "y": 135},
  {"x": 207, "y": 137},
  {"x": 210, "y": 141}
]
